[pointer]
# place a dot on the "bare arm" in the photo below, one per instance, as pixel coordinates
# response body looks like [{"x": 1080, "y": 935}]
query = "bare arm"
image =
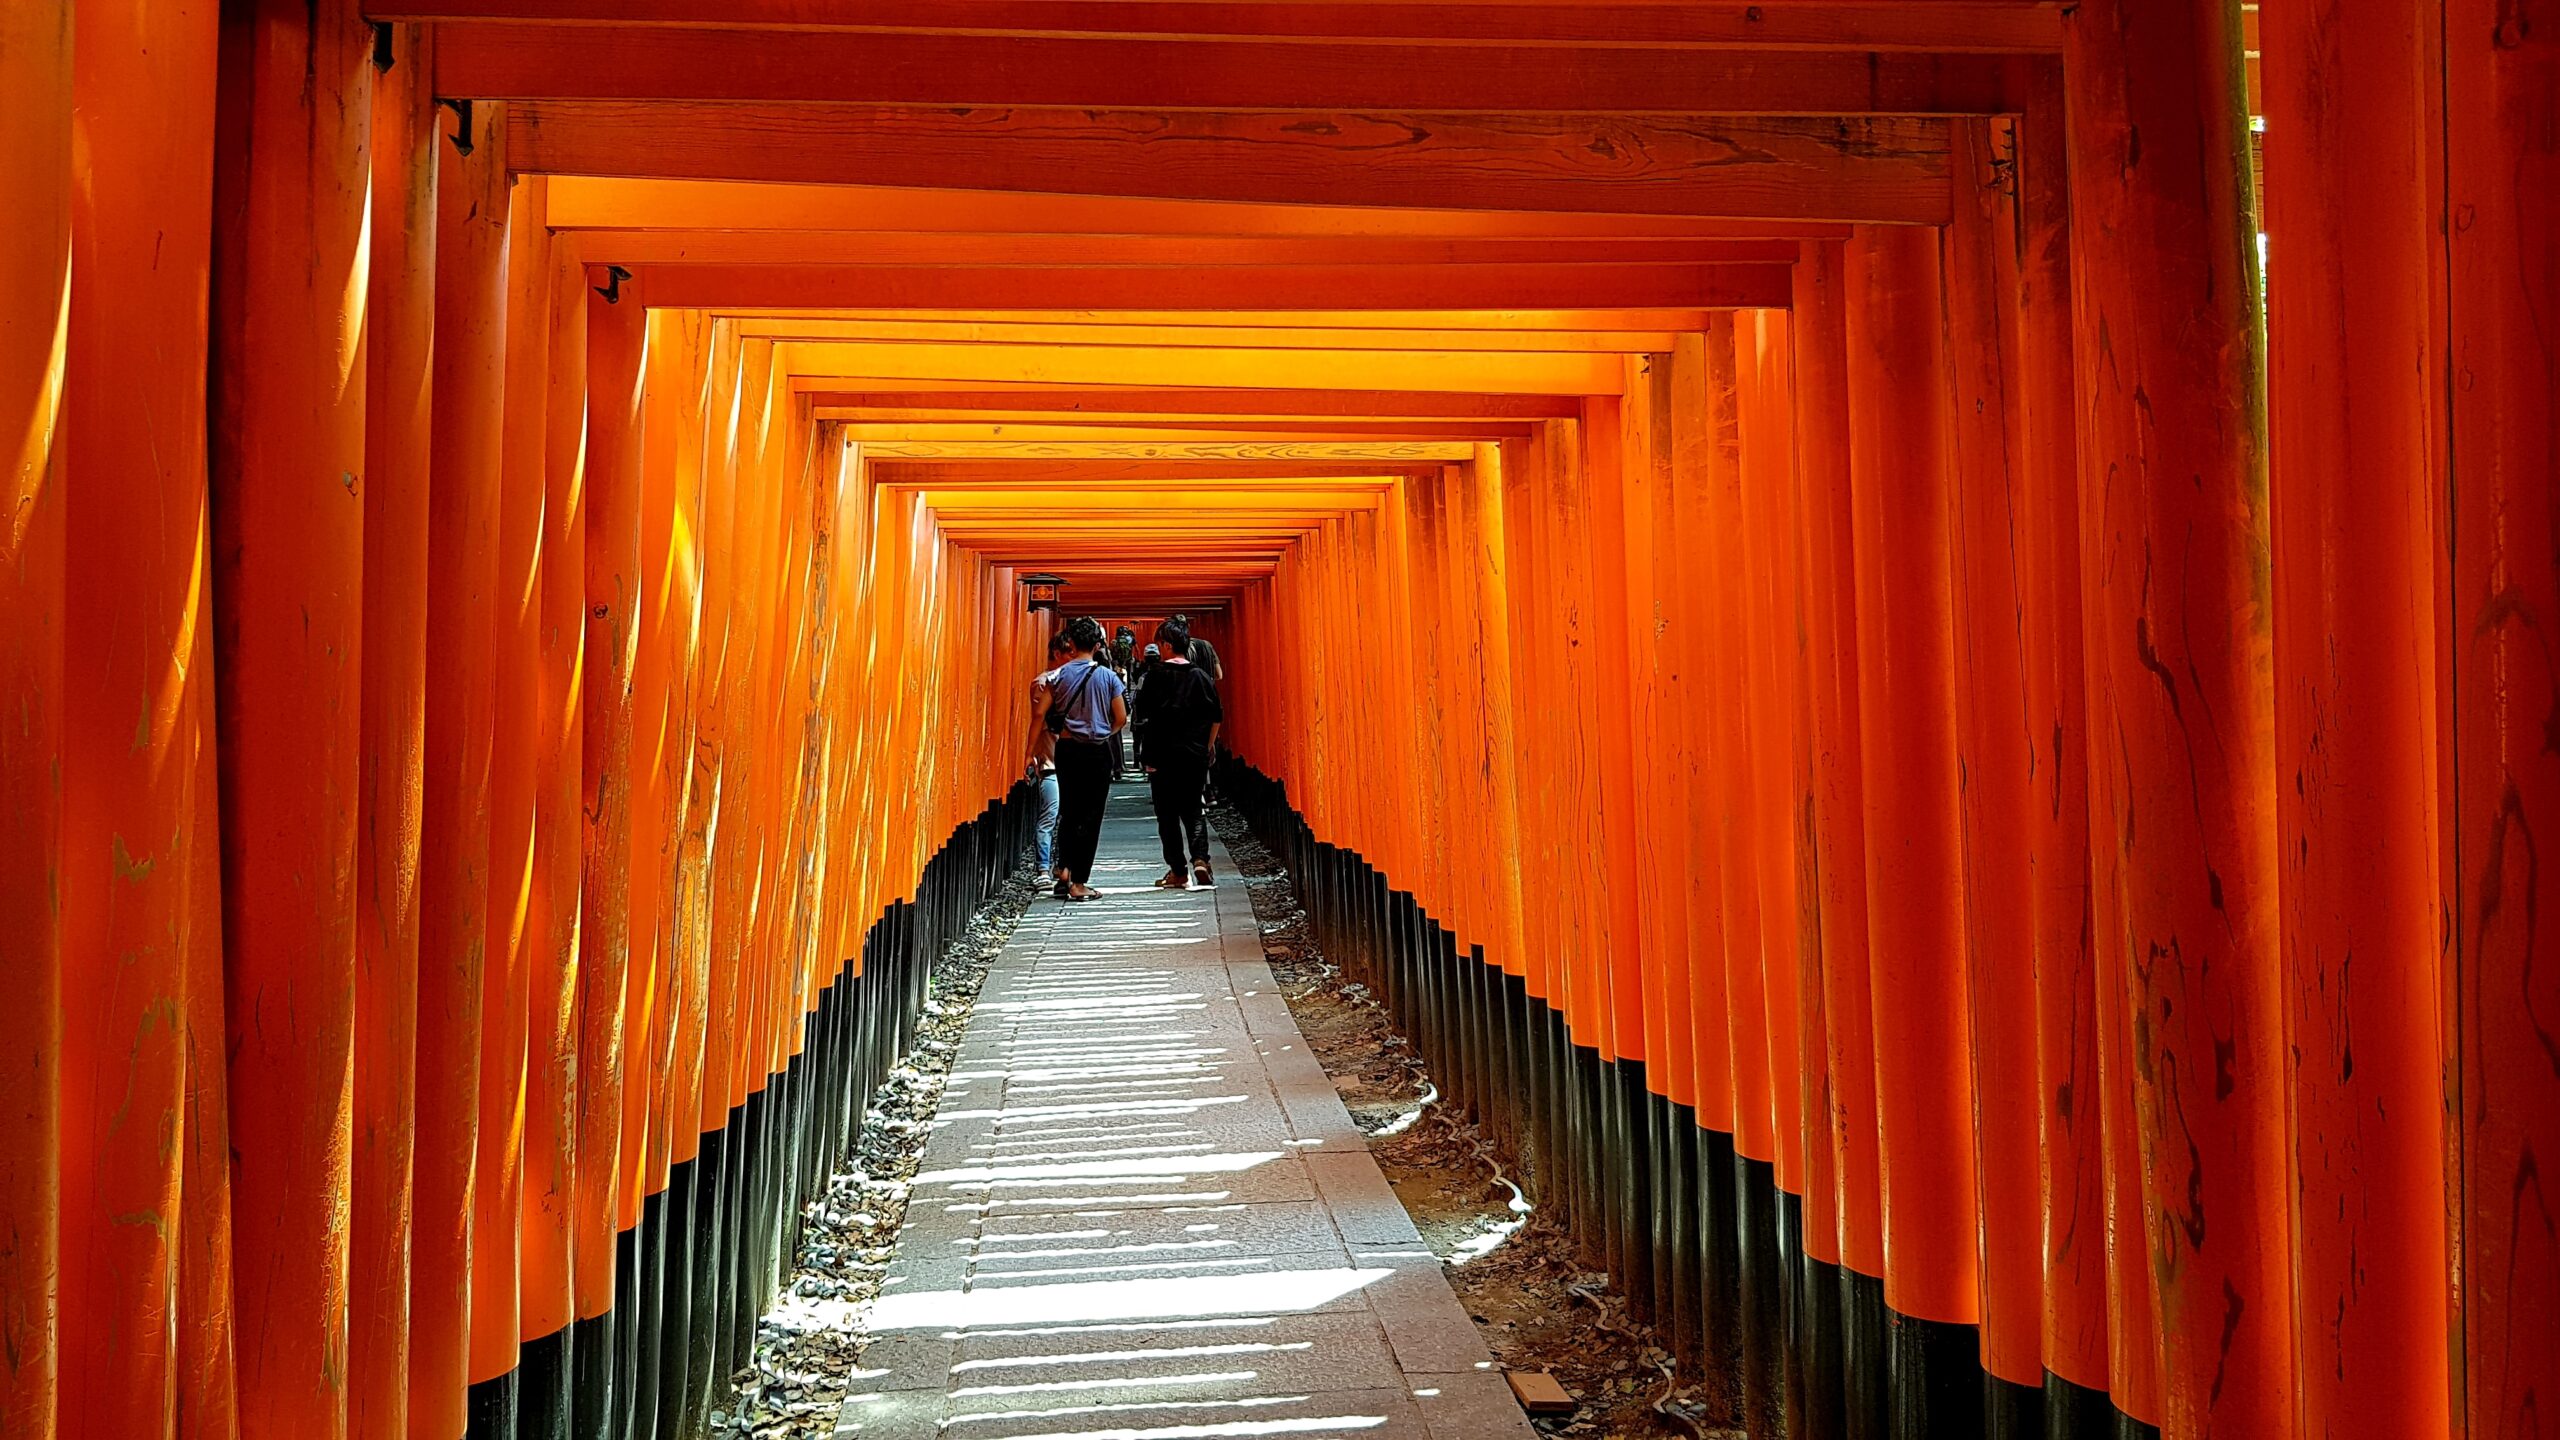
[{"x": 1039, "y": 743}]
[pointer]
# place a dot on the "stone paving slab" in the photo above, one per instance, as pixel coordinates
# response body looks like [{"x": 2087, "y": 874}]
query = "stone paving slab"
[{"x": 1144, "y": 1209}]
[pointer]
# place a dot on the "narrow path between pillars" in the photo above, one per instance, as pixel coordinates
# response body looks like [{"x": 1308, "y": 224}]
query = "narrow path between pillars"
[{"x": 1144, "y": 1211}]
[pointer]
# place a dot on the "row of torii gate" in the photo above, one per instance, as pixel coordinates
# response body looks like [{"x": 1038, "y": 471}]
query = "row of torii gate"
[{"x": 1786, "y": 553}]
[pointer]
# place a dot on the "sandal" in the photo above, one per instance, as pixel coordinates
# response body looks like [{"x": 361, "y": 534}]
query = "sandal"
[{"x": 1079, "y": 896}]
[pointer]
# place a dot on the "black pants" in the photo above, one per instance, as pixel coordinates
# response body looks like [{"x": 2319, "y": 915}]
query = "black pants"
[
  {"x": 1176, "y": 790},
  {"x": 1084, "y": 787}
]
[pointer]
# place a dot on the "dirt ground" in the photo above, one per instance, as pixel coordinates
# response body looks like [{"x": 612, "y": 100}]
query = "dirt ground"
[{"x": 1538, "y": 1306}]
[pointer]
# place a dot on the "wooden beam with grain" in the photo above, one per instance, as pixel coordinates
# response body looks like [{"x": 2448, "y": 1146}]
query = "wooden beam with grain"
[
  {"x": 2027, "y": 26},
  {"x": 599, "y": 62},
  {"x": 627, "y": 202},
  {"x": 1138, "y": 403},
  {"x": 1221, "y": 288},
  {"x": 856, "y": 246},
  {"x": 1881, "y": 170}
]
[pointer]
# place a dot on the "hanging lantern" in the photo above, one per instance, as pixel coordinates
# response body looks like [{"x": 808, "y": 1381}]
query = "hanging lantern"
[{"x": 1043, "y": 591}]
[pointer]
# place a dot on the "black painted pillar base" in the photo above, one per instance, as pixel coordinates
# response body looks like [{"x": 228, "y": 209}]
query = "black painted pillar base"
[
  {"x": 2011, "y": 1411},
  {"x": 1937, "y": 1379},
  {"x": 1755, "y": 1190},
  {"x": 1865, "y": 1341},
  {"x": 1817, "y": 1381},
  {"x": 493, "y": 1408},
  {"x": 1720, "y": 1269},
  {"x": 592, "y": 1350},
  {"x": 2076, "y": 1412},
  {"x": 542, "y": 1387}
]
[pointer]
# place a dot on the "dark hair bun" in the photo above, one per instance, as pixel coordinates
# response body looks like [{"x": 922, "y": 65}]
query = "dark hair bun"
[
  {"x": 1085, "y": 631},
  {"x": 1174, "y": 634}
]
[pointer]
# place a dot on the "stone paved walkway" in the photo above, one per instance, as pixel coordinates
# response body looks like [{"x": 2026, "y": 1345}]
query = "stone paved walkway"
[{"x": 1143, "y": 1212}]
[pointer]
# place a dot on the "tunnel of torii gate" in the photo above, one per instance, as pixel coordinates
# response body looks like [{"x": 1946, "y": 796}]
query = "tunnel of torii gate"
[{"x": 1960, "y": 783}]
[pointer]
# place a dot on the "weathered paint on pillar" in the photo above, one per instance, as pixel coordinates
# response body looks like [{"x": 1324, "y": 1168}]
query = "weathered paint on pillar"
[
  {"x": 514, "y": 779},
  {"x": 2356, "y": 481},
  {"x": 466, "y": 433},
  {"x": 399, "y": 351},
  {"x": 2068, "y": 1084},
  {"x": 142, "y": 1108},
  {"x": 2173, "y": 494},
  {"x": 616, "y": 338},
  {"x": 1899, "y": 485},
  {"x": 288, "y": 388},
  {"x": 35, "y": 302},
  {"x": 2502, "y": 181},
  {"x": 1996, "y": 746},
  {"x": 1823, "y": 447},
  {"x": 552, "y": 1068}
]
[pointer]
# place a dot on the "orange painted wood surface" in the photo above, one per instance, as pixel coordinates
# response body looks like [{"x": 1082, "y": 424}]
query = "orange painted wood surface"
[
  {"x": 1885, "y": 170},
  {"x": 2174, "y": 502},
  {"x": 400, "y": 311},
  {"x": 616, "y": 335},
  {"x": 462, "y": 593},
  {"x": 555, "y": 911},
  {"x": 1782, "y": 553},
  {"x": 2503, "y": 426},
  {"x": 1995, "y": 748},
  {"x": 288, "y": 460},
  {"x": 2359, "y": 521},
  {"x": 1899, "y": 485},
  {"x": 515, "y": 780},
  {"x": 35, "y": 281}
]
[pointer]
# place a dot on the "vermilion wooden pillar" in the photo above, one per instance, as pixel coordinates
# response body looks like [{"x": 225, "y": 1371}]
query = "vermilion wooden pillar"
[
  {"x": 552, "y": 915},
  {"x": 142, "y": 1120},
  {"x": 616, "y": 340},
  {"x": 1728, "y": 641},
  {"x": 2173, "y": 493},
  {"x": 2356, "y": 481},
  {"x": 2074, "y": 1221},
  {"x": 1478, "y": 524},
  {"x": 2502, "y": 182},
  {"x": 463, "y": 605},
  {"x": 288, "y": 391},
  {"x": 1820, "y": 320},
  {"x": 1765, "y": 426},
  {"x": 1899, "y": 489},
  {"x": 35, "y": 297},
  {"x": 399, "y": 343},
  {"x": 1997, "y": 751},
  {"x": 515, "y": 774}
]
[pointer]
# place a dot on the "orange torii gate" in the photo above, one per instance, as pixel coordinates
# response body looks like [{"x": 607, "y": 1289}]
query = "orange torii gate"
[{"x": 1969, "y": 814}]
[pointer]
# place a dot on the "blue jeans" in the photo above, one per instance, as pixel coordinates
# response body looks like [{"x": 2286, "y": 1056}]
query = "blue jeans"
[{"x": 1047, "y": 836}]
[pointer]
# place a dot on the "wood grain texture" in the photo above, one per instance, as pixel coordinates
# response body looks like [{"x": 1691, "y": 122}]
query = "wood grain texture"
[
  {"x": 1953, "y": 25},
  {"x": 2173, "y": 497},
  {"x": 1224, "y": 288},
  {"x": 1884, "y": 170},
  {"x": 593, "y": 62}
]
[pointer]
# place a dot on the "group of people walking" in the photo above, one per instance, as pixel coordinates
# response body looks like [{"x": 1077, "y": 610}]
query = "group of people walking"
[{"x": 1085, "y": 708}]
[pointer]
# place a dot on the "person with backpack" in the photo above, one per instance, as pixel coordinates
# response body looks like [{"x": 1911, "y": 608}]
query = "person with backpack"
[
  {"x": 1043, "y": 769},
  {"x": 1080, "y": 707},
  {"x": 1177, "y": 724}
]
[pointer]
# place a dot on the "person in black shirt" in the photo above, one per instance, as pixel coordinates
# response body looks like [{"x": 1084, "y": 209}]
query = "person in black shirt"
[{"x": 1177, "y": 719}]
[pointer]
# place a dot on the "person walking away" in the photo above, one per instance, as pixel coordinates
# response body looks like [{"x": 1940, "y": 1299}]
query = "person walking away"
[
  {"x": 1177, "y": 722},
  {"x": 1043, "y": 769},
  {"x": 1205, "y": 655},
  {"x": 1087, "y": 705},
  {"x": 1122, "y": 662},
  {"x": 1200, "y": 652}
]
